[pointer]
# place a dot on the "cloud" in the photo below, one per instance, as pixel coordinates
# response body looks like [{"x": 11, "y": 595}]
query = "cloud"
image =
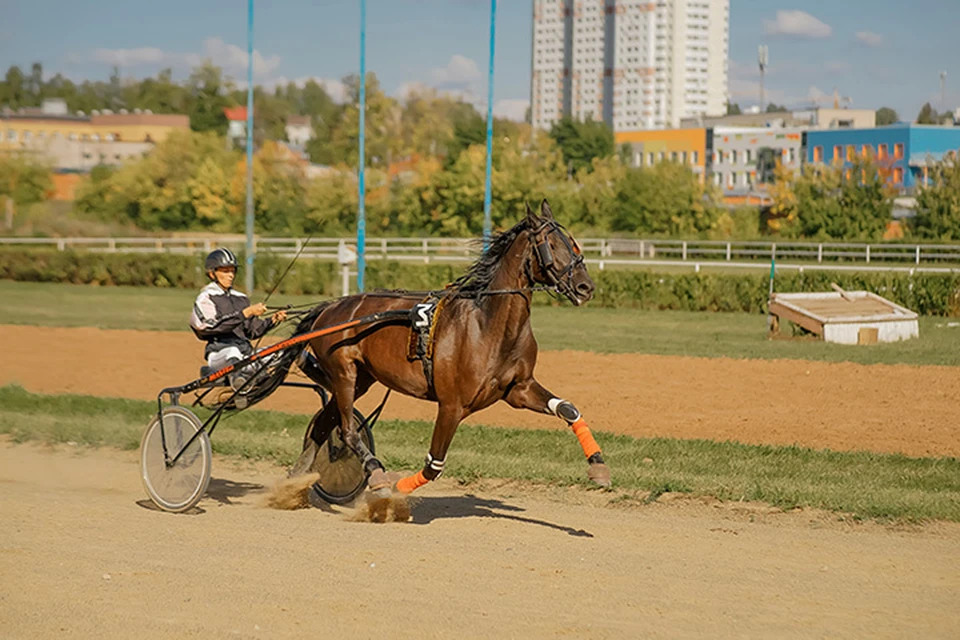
[
  {"x": 869, "y": 38},
  {"x": 230, "y": 57},
  {"x": 460, "y": 74},
  {"x": 798, "y": 24},
  {"x": 511, "y": 109}
]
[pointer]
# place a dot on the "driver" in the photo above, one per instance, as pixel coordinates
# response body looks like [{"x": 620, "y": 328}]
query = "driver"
[{"x": 225, "y": 319}]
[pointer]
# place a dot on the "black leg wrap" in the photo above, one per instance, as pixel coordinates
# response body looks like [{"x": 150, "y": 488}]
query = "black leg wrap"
[
  {"x": 433, "y": 468},
  {"x": 430, "y": 474},
  {"x": 595, "y": 458}
]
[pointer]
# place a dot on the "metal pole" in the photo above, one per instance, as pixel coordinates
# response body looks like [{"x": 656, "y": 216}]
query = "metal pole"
[
  {"x": 487, "y": 226},
  {"x": 361, "y": 191},
  {"x": 248, "y": 273}
]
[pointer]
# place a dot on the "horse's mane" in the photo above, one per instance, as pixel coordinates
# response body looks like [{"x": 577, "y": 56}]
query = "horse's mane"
[{"x": 480, "y": 274}]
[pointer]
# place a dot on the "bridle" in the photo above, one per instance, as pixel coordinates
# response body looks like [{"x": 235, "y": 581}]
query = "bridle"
[{"x": 561, "y": 279}]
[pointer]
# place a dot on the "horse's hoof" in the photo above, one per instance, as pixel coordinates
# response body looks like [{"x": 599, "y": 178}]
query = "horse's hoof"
[
  {"x": 379, "y": 481},
  {"x": 305, "y": 461},
  {"x": 599, "y": 473}
]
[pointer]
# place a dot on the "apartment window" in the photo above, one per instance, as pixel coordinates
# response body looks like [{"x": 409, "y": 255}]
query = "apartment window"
[
  {"x": 897, "y": 172},
  {"x": 661, "y": 156},
  {"x": 637, "y": 159},
  {"x": 848, "y": 174},
  {"x": 744, "y": 178},
  {"x": 733, "y": 179},
  {"x": 717, "y": 178},
  {"x": 673, "y": 156},
  {"x": 733, "y": 157},
  {"x": 11, "y": 135},
  {"x": 793, "y": 155},
  {"x": 683, "y": 157},
  {"x": 882, "y": 152},
  {"x": 818, "y": 154},
  {"x": 867, "y": 150},
  {"x": 748, "y": 156},
  {"x": 837, "y": 153},
  {"x": 693, "y": 157},
  {"x": 898, "y": 150},
  {"x": 650, "y": 158},
  {"x": 27, "y": 135}
]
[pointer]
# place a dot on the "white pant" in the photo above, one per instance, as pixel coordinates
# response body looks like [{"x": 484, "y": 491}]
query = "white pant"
[{"x": 219, "y": 359}]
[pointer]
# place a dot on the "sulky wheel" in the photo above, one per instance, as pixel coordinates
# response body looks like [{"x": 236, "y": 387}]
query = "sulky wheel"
[
  {"x": 342, "y": 477},
  {"x": 178, "y": 487}
]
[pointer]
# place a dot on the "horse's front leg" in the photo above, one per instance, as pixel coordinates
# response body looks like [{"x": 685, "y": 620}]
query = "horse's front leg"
[
  {"x": 531, "y": 395},
  {"x": 448, "y": 419}
]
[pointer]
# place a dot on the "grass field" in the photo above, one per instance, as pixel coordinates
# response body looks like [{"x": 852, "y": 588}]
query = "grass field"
[
  {"x": 863, "y": 484},
  {"x": 735, "y": 335}
]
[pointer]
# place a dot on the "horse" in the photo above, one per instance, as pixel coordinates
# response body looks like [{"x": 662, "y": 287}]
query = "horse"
[{"x": 482, "y": 348}]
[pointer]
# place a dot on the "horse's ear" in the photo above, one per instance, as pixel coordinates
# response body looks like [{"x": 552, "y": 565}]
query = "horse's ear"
[
  {"x": 531, "y": 216},
  {"x": 545, "y": 210}
]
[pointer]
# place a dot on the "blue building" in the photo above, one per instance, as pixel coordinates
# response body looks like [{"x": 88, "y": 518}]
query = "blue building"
[{"x": 905, "y": 148}]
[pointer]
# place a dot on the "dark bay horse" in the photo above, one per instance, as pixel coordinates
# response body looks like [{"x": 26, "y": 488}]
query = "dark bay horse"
[{"x": 483, "y": 347}]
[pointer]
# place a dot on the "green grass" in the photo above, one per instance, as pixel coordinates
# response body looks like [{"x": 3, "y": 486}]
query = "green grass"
[
  {"x": 863, "y": 484},
  {"x": 735, "y": 335}
]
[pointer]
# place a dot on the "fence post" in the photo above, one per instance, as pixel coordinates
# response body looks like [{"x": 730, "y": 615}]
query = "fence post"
[
  {"x": 601, "y": 265},
  {"x": 685, "y": 251},
  {"x": 820, "y": 252},
  {"x": 696, "y": 267},
  {"x": 773, "y": 251},
  {"x": 868, "y": 254},
  {"x": 728, "y": 252},
  {"x": 61, "y": 245},
  {"x": 918, "y": 254},
  {"x": 383, "y": 247},
  {"x": 641, "y": 249},
  {"x": 345, "y": 279}
]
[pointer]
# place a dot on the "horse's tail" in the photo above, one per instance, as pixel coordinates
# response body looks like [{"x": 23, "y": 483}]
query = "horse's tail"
[{"x": 306, "y": 322}]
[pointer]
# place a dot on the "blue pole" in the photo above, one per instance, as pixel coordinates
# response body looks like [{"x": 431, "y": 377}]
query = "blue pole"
[
  {"x": 486, "y": 193},
  {"x": 361, "y": 213},
  {"x": 248, "y": 274}
]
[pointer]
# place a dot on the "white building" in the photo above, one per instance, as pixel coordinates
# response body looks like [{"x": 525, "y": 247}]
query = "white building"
[
  {"x": 634, "y": 64},
  {"x": 299, "y": 130}
]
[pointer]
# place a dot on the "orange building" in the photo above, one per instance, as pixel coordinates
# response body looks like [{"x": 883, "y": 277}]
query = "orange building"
[{"x": 648, "y": 147}]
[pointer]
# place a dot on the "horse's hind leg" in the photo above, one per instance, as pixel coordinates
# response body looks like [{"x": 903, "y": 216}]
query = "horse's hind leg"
[
  {"x": 347, "y": 387},
  {"x": 530, "y": 394}
]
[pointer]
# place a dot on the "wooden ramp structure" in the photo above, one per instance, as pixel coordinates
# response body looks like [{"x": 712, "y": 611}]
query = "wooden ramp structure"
[{"x": 845, "y": 317}]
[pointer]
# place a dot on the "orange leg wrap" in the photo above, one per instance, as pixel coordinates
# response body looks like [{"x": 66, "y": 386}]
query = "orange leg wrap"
[
  {"x": 412, "y": 483},
  {"x": 582, "y": 431}
]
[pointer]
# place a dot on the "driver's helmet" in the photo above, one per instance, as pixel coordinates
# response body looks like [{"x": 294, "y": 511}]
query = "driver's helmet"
[{"x": 217, "y": 258}]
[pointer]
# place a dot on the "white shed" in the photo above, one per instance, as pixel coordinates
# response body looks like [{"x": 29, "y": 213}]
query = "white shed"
[{"x": 846, "y": 317}]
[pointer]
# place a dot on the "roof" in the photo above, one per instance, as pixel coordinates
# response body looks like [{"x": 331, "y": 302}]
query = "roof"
[
  {"x": 298, "y": 121},
  {"x": 235, "y": 113}
]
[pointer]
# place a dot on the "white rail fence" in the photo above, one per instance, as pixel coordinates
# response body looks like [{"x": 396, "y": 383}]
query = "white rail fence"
[{"x": 602, "y": 252}]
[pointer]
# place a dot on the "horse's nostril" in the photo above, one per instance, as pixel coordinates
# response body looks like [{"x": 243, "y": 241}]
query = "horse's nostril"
[{"x": 584, "y": 288}]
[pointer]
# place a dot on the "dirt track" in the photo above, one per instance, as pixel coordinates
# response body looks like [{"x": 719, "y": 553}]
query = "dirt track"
[
  {"x": 81, "y": 556},
  {"x": 842, "y": 406}
]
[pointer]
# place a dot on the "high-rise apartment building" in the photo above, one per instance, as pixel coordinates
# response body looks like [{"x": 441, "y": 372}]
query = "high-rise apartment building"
[{"x": 634, "y": 64}]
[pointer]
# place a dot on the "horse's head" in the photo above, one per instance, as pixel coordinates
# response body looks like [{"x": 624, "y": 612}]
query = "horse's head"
[{"x": 557, "y": 259}]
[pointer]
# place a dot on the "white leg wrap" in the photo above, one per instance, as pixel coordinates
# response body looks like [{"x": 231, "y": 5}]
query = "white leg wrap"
[
  {"x": 564, "y": 409},
  {"x": 434, "y": 465}
]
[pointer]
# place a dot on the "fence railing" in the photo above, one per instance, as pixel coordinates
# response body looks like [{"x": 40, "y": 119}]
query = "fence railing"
[{"x": 601, "y": 251}]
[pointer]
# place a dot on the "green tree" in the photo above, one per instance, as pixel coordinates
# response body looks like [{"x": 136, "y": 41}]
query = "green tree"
[
  {"x": 666, "y": 198},
  {"x": 733, "y": 109},
  {"x": 382, "y": 141},
  {"x": 581, "y": 142},
  {"x": 12, "y": 91},
  {"x": 885, "y": 116},
  {"x": 23, "y": 178},
  {"x": 938, "y": 205},
  {"x": 207, "y": 98},
  {"x": 775, "y": 108},
  {"x": 927, "y": 115}
]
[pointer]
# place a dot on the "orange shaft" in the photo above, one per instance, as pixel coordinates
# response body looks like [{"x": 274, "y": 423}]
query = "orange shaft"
[
  {"x": 582, "y": 431},
  {"x": 412, "y": 483}
]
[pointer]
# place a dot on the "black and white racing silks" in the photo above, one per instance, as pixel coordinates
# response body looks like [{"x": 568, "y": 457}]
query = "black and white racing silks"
[{"x": 217, "y": 318}]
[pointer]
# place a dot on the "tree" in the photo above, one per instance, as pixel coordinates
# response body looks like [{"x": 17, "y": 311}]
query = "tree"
[
  {"x": 381, "y": 126},
  {"x": 12, "y": 92},
  {"x": 938, "y": 205},
  {"x": 733, "y": 109},
  {"x": 885, "y": 116},
  {"x": 23, "y": 179},
  {"x": 774, "y": 108},
  {"x": 581, "y": 142},
  {"x": 666, "y": 198},
  {"x": 927, "y": 115},
  {"x": 207, "y": 98}
]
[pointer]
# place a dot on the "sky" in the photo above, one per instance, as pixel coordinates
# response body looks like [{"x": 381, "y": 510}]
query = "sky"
[{"x": 877, "y": 53}]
